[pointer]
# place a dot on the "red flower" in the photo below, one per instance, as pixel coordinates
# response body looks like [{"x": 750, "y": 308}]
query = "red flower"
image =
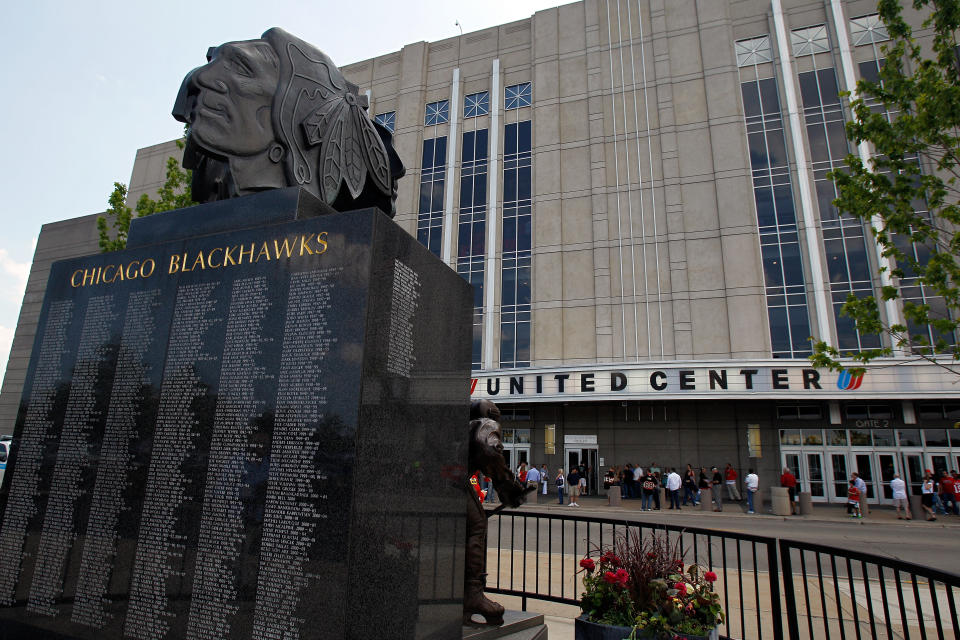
[
  {"x": 610, "y": 577},
  {"x": 622, "y": 577},
  {"x": 588, "y": 564},
  {"x": 682, "y": 588},
  {"x": 610, "y": 558},
  {"x": 679, "y": 564},
  {"x": 651, "y": 555},
  {"x": 710, "y": 576}
]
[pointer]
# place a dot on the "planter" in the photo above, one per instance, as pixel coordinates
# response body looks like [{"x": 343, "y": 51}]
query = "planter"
[{"x": 587, "y": 630}]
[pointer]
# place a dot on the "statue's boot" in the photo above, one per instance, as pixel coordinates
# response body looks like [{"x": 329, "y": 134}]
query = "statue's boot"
[
  {"x": 474, "y": 601},
  {"x": 475, "y": 569}
]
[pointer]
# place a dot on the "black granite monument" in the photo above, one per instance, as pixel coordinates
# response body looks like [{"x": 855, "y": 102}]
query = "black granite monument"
[{"x": 249, "y": 424}]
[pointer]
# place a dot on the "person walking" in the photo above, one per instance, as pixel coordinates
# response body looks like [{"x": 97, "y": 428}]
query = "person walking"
[
  {"x": 648, "y": 484},
  {"x": 717, "y": 483},
  {"x": 673, "y": 488},
  {"x": 544, "y": 477},
  {"x": 899, "y": 489},
  {"x": 582, "y": 483},
  {"x": 752, "y": 485},
  {"x": 926, "y": 495},
  {"x": 946, "y": 493},
  {"x": 573, "y": 486},
  {"x": 690, "y": 487},
  {"x": 862, "y": 488},
  {"x": 853, "y": 500},
  {"x": 560, "y": 482},
  {"x": 789, "y": 481},
  {"x": 730, "y": 480},
  {"x": 656, "y": 493}
]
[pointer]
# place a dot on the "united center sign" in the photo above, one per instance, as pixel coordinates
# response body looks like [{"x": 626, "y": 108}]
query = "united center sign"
[{"x": 723, "y": 379}]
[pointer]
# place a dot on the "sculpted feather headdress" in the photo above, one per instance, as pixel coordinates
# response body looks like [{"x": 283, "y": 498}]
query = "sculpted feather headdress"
[{"x": 322, "y": 120}]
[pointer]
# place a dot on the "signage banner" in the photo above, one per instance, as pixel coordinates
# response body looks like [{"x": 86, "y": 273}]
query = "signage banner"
[{"x": 724, "y": 379}]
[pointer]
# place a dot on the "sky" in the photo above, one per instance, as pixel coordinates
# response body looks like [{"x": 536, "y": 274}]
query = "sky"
[{"x": 88, "y": 83}]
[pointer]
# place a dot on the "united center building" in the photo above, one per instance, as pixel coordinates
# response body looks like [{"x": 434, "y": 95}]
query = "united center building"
[{"x": 637, "y": 191}]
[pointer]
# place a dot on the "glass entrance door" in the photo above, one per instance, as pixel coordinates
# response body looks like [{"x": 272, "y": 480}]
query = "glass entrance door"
[
  {"x": 914, "y": 472},
  {"x": 839, "y": 475},
  {"x": 864, "y": 467},
  {"x": 887, "y": 465},
  {"x": 813, "y": 471},
  {"x": 587, "y": 456}
]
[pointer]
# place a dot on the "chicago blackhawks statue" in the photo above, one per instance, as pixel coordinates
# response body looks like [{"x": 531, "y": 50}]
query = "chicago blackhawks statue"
[{"x": 486, "y": 457}]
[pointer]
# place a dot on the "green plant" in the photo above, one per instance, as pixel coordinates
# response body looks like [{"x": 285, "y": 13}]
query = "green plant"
[{"x": 643, "y": 583}]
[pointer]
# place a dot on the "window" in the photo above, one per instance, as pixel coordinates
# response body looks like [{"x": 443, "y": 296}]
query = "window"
[
  {"x": 516, "y": 96},
  {"x": 868, "y": 30},
  {"x": 753, "y": 51},
  {"x": 799, "y": 412},
  {"x": 787, "y": 313},
  {"x": 476, "y": 104},
  {"x": 868, "y": 412},
  {"x": 430, "y": 212},
  {"x": 790, "y": 437},
  {"x": 388, "y": 120},
  {"x": 844, "y": 240},
  {"x": 810, "y": 40},
  {"x": 472, "y": 226},
  {"x": 437, "y": 113},
  {"x": 517, "y": 246}
]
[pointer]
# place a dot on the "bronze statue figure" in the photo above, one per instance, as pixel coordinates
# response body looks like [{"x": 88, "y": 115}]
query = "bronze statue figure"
[
  {"x": 276, "y": 112},
  {"x": 486, "y": 455}
]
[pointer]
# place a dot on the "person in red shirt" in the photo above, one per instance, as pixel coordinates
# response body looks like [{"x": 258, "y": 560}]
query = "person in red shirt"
[
  {"x": 730, "y": 480},
  {"x": 853, "y": 500},
  {"x": 789, "y": 481},
  {"x": 947, "y": 493}
]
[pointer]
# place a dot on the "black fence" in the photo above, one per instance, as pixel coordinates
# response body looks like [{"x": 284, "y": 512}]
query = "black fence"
[{"x": 769, "y": 587}]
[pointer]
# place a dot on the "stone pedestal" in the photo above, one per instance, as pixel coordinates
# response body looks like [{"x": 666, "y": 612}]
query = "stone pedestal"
[
  {"x": 517, "y": 625},
  {"x": 916, "y": 506},
  {"x": 806, "y": 503},
  {"x": 613, "y": 496},
  {"x": 253, "y": 433},
  {"x": 706, "y": 496},
  {"x": 780, "y": 501}
]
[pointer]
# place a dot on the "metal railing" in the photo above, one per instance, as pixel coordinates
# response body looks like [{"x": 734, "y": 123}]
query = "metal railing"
[{"x": 769, "y": 587}]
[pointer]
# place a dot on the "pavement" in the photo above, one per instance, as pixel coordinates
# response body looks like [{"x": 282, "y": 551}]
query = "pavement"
[
  {"x": 821, "y": 512},
  {"x": 928, "y": 543}
]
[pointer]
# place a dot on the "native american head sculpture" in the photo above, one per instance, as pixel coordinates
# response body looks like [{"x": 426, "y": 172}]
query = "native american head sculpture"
[{"x": 276, "y": 112}]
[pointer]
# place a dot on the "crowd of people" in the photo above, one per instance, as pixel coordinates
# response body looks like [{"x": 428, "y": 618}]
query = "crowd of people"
[
  {"x": 681, "y": 488},
  {"x": 939, "y": 495}
]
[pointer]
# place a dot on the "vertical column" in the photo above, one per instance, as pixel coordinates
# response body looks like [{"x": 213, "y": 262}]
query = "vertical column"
[
  {"x": 891, "y": 307},
  {"x": 81, "y": 416},
  {"x": 490, "y": 277},
  {"x": 159, "y": 544},
  {"x": 811, "y": 232},
  {"x": 21, "y": 502},
  {"x": 448, "y": 223},
  {"x": 214, "y": 601},
  {"x": 295, "y": 502},
  {"x": 132, "y": 374}
]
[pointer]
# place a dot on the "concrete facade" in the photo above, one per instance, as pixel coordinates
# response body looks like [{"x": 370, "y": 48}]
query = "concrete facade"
[{"x": 647, "y": 245}]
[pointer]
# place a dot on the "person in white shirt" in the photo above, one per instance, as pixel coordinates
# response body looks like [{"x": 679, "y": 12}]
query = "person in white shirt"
[
  {"x": 544, "y": 477},
  {"x": 752, "y": 483},
  {"x": 673, "y": 488},
  {"x": 533, "y": 478},
  {"x": 899, "y": 489}
]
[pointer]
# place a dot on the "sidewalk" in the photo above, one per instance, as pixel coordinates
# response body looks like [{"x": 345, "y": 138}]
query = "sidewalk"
[{"x": 822, "y": 512}]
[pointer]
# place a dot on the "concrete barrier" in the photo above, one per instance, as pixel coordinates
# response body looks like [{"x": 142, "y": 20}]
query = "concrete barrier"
[
  {"x": 916, "y": 507},
  {"x": 613, "y": 496},
  {"x": 806, "y": 503},
  {"x": 780, "y": 501},
  {"x": 706, "y": 498}
]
